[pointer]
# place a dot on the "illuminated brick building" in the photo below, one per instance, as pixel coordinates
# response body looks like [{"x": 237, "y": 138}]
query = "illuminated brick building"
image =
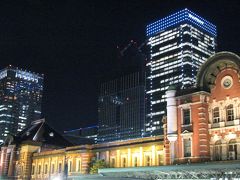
[{"x": 202, "y": 124}]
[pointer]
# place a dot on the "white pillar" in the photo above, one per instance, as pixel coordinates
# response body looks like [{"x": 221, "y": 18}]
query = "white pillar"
[
  {"x": 153, "y": 155},
  {"x": 118, "y": 158},
  {"x": 238, "y": 151},
  {"x": 129, "y": 159},
  {"x": 141, "y": 156},
  {"x": 171, "y": 120}
]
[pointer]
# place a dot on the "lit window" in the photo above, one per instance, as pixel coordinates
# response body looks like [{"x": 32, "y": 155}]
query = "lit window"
[
  {"x": 232, "y": 148},
  {"x": 78, "y": 165},
  {"x": 229, "y": 113},
  {"x": 147, "y": 160},
  {"x": 52, "y": 168},
  {"x": 45, "y": 169},
  {"x": 160, "y": 159},
  {"x": 33, "y": 169},
  {"x": 218, "y": 151},
  {"x": 186, "y": 116},
  {"x": 187, "y": 147},
  {"x": 39, "y": 169},
  {"x": 135, "y": 163},
  {"x": 59, "y": 167},
  {"x": 216, "y": 117},
  {"x": 124, "y": 162},
  {"x": 113, "y": 162}
]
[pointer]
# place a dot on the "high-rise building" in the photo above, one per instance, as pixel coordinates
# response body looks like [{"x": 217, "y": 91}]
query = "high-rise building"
[
  {"x": 121, "y": 105},
  {"x": 20, "y": 99},
  {"x": 178, "y": 45},
  {"x": 121, "y": 108}
]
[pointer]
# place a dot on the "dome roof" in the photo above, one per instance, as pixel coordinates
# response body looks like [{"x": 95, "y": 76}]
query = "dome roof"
[{"x": 208, "y": 71}]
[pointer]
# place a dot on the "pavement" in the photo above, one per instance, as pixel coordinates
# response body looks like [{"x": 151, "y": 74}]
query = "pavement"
[{"x": 98, "y": 177}]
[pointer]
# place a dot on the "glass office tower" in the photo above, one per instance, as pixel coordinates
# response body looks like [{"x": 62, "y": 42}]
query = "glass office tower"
[
  {"x": 121, "y": 108},
  {"x": 178, "y": 45},
  {"x": 20, "y": 99},
  {"x": 121, "y": 103}
]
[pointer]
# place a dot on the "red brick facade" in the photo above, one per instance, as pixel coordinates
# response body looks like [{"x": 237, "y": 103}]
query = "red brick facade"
[{"x": 212, "y": 112}]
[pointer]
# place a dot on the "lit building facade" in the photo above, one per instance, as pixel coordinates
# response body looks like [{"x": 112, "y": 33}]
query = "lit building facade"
[
  {"x": 202, "y": 125},
  {"x": 178, "y": 45},
  {"x": 121, "y": 108},
  {"x": 20, "y": 100},
  {"x": 134, "y": 153}
]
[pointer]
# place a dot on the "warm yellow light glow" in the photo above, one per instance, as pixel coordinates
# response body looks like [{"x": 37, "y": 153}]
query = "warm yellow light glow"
[
  {"x": 231, "y": 135},
  {"x": 153, "y": 155},
  {"x": 129, "y": 157},
  {"x": 215, "y": 137},
  {"x": 141, "y": 156}
]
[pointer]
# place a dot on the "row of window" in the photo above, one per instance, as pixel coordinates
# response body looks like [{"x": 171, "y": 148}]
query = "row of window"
[
  {"x": 232, "y": 151},
  {"x": 229, "y": 114},
  {"x": 147, "y": 161},
  {"x": 59, "y": 169},
  {"x": 44, "y": 170},
  {"x": 215, "y": 115}
]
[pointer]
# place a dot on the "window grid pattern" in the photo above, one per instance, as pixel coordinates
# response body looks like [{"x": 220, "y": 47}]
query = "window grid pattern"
[{"x": 175, "y": 55}]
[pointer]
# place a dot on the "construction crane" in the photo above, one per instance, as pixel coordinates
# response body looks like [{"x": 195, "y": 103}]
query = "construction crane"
[{"x": 132, "y": 42}]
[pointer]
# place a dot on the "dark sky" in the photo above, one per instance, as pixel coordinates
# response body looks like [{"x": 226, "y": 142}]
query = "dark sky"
[{"x": 74, "y": 44}]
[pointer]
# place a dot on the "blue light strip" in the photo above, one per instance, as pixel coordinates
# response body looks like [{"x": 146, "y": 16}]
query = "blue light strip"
[
  {"x": 89, "y": 127},
  {"x": 183, "y": 15}
]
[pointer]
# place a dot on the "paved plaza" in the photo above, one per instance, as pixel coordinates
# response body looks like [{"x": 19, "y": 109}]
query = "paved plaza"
[{"x": 98, "y": 177}]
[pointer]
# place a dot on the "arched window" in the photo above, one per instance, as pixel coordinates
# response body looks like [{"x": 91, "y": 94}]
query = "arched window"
[
  {"x": 218, "y": 151},
  {"x": 229, "y": 113},
  {"x": 124, "y": 162},
  {"x": 79, "y": 164},
  {"x": 232, "y": 149},
  {"x": 147, "y": 160},
  {"x": 46, "y": 169},
  {"x": 52, "y": 169},
  {"x": 216, "y": 116},
  {"x": 113, "y": 162},
  {"x": 135, "y": 161},
  {"x": 187, "y": 147},
  {"x": 33, "y": 169},
  {"x": 39, "y": 169},
  {"x": 60, "y": 167}
]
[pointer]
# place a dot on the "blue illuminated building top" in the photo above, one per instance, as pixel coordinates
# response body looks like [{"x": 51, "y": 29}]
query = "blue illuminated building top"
[
  {"x": 176, "y": 18},
  {"x": 21, "y": 74}
]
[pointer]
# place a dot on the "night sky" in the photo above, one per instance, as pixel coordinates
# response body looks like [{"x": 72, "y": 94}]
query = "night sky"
[{"x": 74, "y": 44}]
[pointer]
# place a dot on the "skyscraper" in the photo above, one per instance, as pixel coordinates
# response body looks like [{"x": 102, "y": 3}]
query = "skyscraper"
[
  {"x": 178, "y": 45},
  {"x": 20, "y": 99},
  {"x": 121, "y": 108},
  {"x": 121, "y": 105}
]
